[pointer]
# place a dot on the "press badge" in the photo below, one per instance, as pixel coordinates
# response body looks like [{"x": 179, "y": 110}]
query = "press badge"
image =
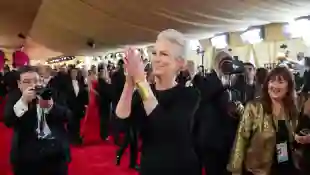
[{"x": 282, "y": 153}]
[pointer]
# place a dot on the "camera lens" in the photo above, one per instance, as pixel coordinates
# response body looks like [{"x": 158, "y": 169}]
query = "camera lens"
[{"x": 226, "y": 66}]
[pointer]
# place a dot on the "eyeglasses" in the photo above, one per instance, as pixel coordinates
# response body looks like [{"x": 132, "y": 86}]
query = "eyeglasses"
[{"x": 29, "y": 81}]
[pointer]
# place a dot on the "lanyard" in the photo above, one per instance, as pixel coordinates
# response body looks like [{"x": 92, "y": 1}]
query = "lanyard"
[{"x": 42, "y": 120}]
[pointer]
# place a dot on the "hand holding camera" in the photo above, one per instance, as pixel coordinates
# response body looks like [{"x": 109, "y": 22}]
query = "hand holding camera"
[
  {"x": 44, "y": 96},
  {"x": 235, "y": 109},
  {"x": 28, "y": 95},
  {"x": 303, "y": 137},
  {"x": 45, "y": 104}
]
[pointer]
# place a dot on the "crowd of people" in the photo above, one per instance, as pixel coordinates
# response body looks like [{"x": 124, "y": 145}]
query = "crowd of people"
[{"x": 250, "y": 121}]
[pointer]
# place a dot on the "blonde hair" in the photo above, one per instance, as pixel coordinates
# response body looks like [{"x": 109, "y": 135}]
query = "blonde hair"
[{"x": 177, "y": 38}]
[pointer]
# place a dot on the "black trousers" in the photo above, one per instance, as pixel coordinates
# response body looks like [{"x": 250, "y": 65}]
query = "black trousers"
[
  {"x": 104, "y": 124},
  {"x": 215, "y": 162},
  {"x": 74, "y": 125},
  {"x": 116, "y": 125},
  {"x": 41, "y": 168},
  {"x": 131, "y": 139}
]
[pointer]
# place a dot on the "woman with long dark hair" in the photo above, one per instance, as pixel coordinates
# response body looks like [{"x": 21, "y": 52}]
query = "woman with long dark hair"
[{"x": 265, "y": 137}]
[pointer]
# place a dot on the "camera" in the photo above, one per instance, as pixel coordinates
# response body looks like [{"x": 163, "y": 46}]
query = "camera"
[
  {"x": 304, "y": 132},
  {"x": 229, "y": 66},
  {"x": 43, "y": 92},
  {"x": 283, "y": 46}
]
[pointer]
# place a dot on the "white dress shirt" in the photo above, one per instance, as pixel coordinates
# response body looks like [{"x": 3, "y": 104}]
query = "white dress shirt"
[
  {"x": 76, "y": 88},
  {"x": 45, "y": 81},
  {"x": 301, "y": 68},
  {"x": 20, "y": 108}
]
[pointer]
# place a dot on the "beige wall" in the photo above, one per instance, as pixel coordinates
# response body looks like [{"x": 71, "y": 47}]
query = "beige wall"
[{"x": 264, "y": 52}]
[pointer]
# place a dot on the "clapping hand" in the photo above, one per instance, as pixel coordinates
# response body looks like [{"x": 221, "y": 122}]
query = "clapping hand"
[{"x": 134, "y": 65}]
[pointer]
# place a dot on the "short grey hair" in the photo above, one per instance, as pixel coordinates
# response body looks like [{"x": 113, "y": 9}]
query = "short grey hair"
[
  {"x": 177, "y": 38},
  {"x": 219, "y": 56}
]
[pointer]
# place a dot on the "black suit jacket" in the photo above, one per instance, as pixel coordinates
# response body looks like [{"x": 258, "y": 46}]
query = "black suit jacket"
[
  {"x": 118, "y": 81},
  {"x": 104, "y": 98},
  {"x": 216, "y": 129},
  {"x": 26, "y": 125},
  {"x": 77, "y": 103},
  {"x": 10, "y": 80}
]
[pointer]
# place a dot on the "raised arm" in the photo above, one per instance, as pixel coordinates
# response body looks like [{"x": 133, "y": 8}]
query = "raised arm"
[
  {"x": 14, "y": 109},
  {"x": 149, "y": 100},
  {"x": 123, "y": 108},
  {"x": 16, "y": 106}
]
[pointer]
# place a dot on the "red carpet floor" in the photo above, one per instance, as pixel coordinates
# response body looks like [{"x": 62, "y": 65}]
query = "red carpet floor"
[{"x": 94, "y": 160}]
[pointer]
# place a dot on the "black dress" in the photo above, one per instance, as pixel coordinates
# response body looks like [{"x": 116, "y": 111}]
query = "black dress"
[
  {"x": 287, "y": 167},
  {"x": 167, "y": 144}
]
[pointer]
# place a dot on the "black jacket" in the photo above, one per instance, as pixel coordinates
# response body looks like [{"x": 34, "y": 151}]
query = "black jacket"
[
  {"x": 117, "y": 80},
  {"x": 25, "y": 126},
  {"x": 216, "y": 128},
  {"x": 76, "y": 103},
  {"x": 104, "y": 97}
]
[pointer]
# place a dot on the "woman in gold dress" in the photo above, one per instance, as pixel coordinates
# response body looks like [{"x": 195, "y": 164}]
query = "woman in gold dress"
[{"x": 264, "y": 141}]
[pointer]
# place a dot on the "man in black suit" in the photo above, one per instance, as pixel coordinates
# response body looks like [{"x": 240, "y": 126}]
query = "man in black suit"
[
  {"x": 104, "y": 98},
  {"x": 216, "y": 119},
  {"x": 117, "y": 81},
  {"x": 76, "y": 99},
  {"x": 39, "y": 146}
]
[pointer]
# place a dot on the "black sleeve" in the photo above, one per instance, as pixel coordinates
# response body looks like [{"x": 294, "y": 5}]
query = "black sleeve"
[
  {"x": 105, "y": 90},
  {"x": 10, "y": 119},
  {"x": 60, "y": 113},
  {"x": 58, "y": 96},
  {"x": 212, "y": 87},
  {"x": 200, "y": 83},
  {"x": 85, "y": 95}
]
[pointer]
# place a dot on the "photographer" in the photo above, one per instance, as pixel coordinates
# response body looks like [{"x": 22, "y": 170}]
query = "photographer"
[
  {"x": 39, "y": 144},
  {"x": 218, "y": 119}
]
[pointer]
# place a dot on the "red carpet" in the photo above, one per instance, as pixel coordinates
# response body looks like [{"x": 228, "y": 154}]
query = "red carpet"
[
  {"x": 94, "y": 160},
  {"x": 5, "y": 146}
]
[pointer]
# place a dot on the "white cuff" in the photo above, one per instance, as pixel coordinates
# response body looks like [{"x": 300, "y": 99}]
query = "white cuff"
[{"x": 20, "y": 108}]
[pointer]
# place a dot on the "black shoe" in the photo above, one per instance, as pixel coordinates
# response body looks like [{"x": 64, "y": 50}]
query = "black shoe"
[
  {"x": 117, "y": 143},
  {"x": 104, "y": 138},
  {"x": 77, "y": 141},
  {"x": 135, "y": 167},
  {"x": 118, "y": 160}
]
